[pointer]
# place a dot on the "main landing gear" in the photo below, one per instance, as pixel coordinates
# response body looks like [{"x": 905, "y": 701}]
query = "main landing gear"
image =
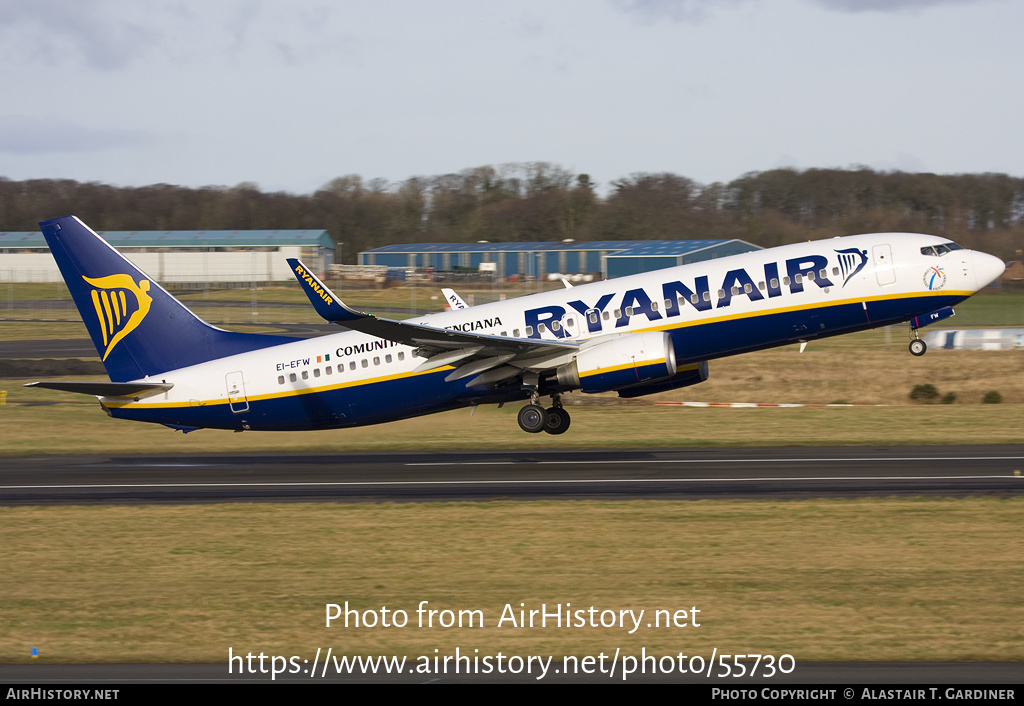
[{"x": 533, "y": 418}]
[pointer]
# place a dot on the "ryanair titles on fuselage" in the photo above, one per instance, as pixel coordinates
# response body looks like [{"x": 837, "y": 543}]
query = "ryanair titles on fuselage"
[
  {"x": 736, "y": 283},
  {"x": 793, "y": 276}
]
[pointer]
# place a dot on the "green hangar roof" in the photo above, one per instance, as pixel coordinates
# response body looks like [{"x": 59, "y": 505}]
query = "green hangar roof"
[{"x": 186, "y": 239}]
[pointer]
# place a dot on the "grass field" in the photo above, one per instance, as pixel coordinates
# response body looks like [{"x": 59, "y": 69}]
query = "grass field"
[{"x": 820, "y": 580}]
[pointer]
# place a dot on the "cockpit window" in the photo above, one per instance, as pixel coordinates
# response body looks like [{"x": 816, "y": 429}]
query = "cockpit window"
[{"x": 940, "y": 250}]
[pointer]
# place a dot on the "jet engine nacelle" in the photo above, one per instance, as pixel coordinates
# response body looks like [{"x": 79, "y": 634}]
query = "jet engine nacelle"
[
  {"x": 688, "y": 375},
  {"x": 626, "y": 361}
]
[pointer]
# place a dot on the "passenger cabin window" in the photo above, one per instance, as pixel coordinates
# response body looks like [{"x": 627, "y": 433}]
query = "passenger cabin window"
[
  {"x": 330, "y": 370},
  {"x": 305, "y": 375},
  {"x": 401, "y": 355},
  {"x": 280, "y": 379},
  {"x": 352, "y": 365},
  {"x": 292, "y": 377},
  {"x": 316, "y": 372}
]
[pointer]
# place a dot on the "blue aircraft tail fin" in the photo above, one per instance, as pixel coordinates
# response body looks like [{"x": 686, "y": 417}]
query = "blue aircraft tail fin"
[{"x": 138, "y": 328}]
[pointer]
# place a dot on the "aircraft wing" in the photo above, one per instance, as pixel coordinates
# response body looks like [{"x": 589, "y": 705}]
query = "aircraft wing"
[{"x": 492, "y": 358}]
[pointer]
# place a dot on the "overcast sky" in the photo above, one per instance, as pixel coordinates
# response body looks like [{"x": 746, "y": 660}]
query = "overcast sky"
[{"x": 292, "y": 94}]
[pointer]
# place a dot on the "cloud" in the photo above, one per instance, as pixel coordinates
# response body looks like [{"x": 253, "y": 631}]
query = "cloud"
[
  {"x": 51, "y": 30},
  {"x": 694, "y": 11},
  {"x": 24, "y": 135},
  {"x": 852, "y": 6},
  {"x": 691, "y": 11}
]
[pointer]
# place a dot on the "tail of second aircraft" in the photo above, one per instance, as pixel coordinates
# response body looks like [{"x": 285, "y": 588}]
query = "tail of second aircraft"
[{"x": 138, "y": 328}]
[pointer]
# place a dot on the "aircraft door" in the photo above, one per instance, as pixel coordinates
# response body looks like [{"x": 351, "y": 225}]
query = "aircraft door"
[
  {"x": 236, "y": 392},
  {"x": 884, "y": 270}
]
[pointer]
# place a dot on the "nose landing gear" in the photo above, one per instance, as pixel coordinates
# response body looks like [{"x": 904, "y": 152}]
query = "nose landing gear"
[{"x": 917, "y": 346}]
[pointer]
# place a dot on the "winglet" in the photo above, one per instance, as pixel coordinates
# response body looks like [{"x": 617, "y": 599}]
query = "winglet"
[
  {"x": 452, "y": 299},
  {"x": 323, "y": 299}
]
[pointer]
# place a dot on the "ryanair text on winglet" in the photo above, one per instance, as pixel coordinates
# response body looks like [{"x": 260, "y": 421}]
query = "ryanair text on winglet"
[{"x": 313, "y": 284}]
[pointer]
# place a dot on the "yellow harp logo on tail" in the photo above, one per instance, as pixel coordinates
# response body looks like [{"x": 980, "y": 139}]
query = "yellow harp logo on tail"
[{"x": 117, "y": 315}]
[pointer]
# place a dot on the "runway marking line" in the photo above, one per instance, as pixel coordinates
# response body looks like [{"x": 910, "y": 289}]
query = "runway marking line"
[
  {"x": 729, "y": 460},
  {"x": 314, "y": 484}
]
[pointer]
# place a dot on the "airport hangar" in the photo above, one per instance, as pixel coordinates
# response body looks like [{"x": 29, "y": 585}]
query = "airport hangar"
[
  {"x": 246, "y": 256},
  {"x": 604, "y": 258},
  {"x": 181, "y": 256}
]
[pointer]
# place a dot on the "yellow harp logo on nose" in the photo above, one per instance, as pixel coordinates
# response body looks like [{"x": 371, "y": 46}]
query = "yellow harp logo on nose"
[{"x": 118, "y": 313}]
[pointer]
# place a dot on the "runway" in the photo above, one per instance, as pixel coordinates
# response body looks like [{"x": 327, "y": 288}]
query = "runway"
[{"x": 687, "y": 474}]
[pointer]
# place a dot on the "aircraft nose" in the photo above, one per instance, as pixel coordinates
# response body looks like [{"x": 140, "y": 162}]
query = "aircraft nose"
[{"x": 987, "y": 268}]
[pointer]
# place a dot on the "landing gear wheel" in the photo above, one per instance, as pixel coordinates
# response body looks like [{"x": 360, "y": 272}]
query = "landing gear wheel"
[
  {"x": 533, "y": 418},
  {"x": 918, "y": 347},
  {"x": 558, "y": 421}
]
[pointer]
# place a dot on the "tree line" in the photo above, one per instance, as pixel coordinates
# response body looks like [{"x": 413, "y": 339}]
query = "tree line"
[{"x": 543, "y": 202}]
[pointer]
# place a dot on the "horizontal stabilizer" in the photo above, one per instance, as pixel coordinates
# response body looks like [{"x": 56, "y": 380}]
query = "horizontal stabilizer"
[{"x": 105, "y": 389}]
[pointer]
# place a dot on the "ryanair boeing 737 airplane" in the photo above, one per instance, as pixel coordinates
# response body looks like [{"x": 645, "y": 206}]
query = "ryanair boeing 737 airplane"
[{"x": 634, "y": 335}]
